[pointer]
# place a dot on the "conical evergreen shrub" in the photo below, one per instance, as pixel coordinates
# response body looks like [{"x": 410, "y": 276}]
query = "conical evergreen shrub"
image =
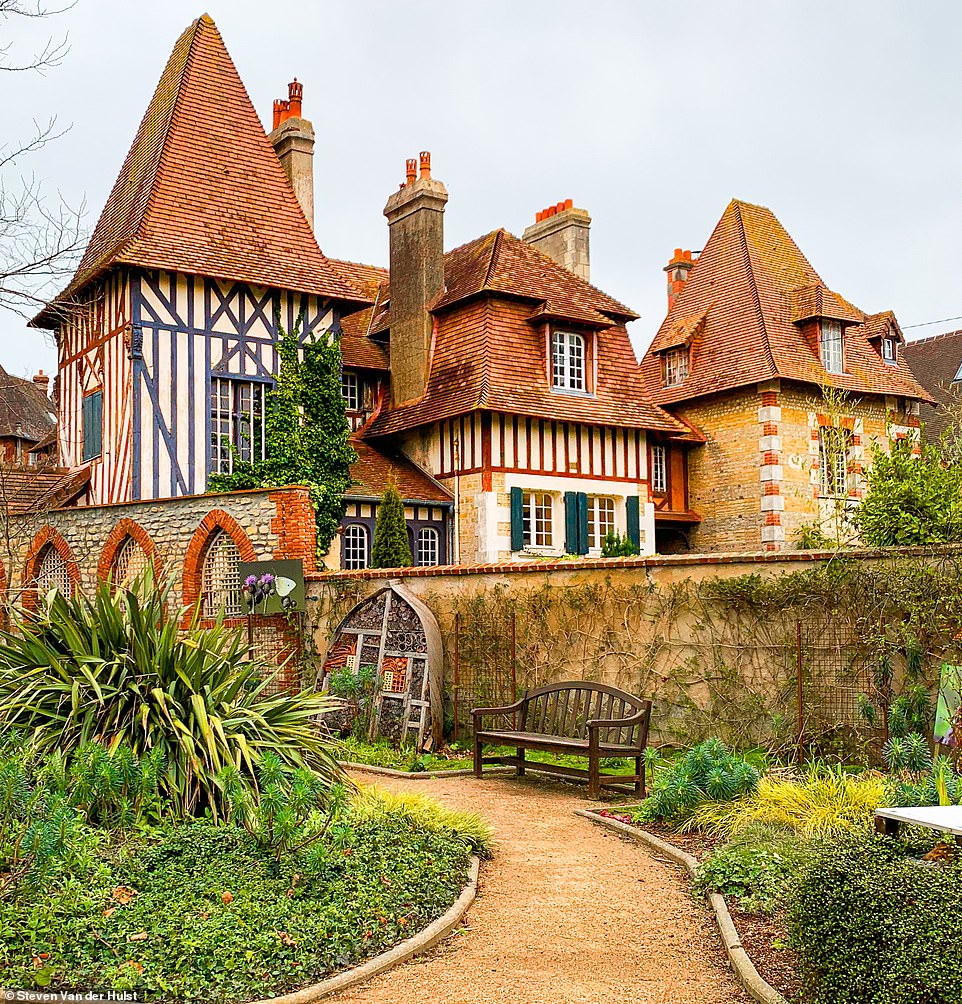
[{"x": 391, "y": 548}]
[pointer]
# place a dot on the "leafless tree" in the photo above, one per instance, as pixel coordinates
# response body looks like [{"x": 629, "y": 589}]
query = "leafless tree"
[{"x": 40, "y": 237}]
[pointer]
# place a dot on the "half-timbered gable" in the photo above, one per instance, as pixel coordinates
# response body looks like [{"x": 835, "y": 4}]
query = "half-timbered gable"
[{"x": 202, "y": 256}]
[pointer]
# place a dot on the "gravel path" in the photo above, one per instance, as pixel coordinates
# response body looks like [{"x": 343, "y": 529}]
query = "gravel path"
[{"x": 568, "y": 913}]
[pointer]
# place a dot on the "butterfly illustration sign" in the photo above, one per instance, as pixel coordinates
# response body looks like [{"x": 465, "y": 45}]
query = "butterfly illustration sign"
[{"x": 272, "y": 587}]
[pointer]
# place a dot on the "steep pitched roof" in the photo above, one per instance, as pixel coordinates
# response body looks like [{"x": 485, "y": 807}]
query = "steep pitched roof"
[
  {"x": 25, "y": 411},
  {"x": 26, "y": 491},
  {"x": 202, "y": 190},
  {"x": 489, "y": 351},
  {"x": 376, "y": 467},
  {"x": 936, "y": 362},
  {"x": 357, "y": 347},
  {"x": 748, "y": 289}
]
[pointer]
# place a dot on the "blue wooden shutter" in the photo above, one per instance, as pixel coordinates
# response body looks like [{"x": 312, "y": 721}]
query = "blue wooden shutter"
[
  {"x": 571, "y": 523},
  {"x": 92, "y": 413},
  {"x": 582, "y": 523},
  {"x": 517, "y": 520},
  {"x": 632, "y": 511}
]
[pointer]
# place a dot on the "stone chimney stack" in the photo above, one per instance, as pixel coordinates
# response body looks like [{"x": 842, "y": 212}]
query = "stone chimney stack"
[
  {"x": 561, "y": 232},
  {"x": 293, "y": 142},
  {"x": 43, "y": 382},
  {"x": 678, "y": 268},
  {"x": 415, "y": 217}
]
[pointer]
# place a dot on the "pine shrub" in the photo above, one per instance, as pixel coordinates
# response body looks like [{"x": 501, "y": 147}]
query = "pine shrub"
[{"x": 391, "y": 548}]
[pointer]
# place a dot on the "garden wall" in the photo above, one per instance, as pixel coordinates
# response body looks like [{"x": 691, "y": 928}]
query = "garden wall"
[{"x": 701, "y": 634}]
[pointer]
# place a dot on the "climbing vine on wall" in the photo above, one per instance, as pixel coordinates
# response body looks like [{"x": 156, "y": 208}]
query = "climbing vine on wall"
[{"x": 306, "y": 433}]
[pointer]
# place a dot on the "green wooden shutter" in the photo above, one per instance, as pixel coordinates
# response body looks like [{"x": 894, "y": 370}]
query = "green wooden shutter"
[
  {"x": 632, "y": 511},
  {"x": 582, "y": 523},
  {"x": 517, "y": 520},
  {"x": 572, "y": 543},
  {"x": 92, "y": 413}
]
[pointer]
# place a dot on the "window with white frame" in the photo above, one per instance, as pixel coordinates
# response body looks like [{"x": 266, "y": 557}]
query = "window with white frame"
[
  {"x": 354, "y": 546},
  {"x": 659, "y": 468},
  {"x": 53, "y": 574},
  {"x": 350, "y": 390},
  {"x": 221, "y": 585},
  {"x": 237, "y": 414},
  {"x": 833, "y": 446},
  {"x": 537, "y": 519},
  {"x": 568, "y": 360},
  {"x": 129, "y": 565},
  {"x": 429, "y": 546},
  {"x": 601, "y": 520},
  {"x": 890, "y": 349},
  {"x": 676, "y": 366},
  {"x": 831, "y": 346}
]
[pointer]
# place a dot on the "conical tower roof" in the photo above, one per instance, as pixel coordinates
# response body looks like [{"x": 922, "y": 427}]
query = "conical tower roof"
[{"x": 202, "y": 191}]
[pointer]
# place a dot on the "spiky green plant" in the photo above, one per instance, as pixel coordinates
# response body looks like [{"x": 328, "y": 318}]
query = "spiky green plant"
[{"x": 118, "y": 669}]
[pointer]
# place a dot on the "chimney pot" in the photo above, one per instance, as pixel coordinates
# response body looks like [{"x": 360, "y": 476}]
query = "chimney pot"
[
  {"x": 425, "y": 164},
  {"x": 295, "y": 93},
  {"x": 677, "y": 270},
  {"x": 42, "y": 381},
  {"x": 410, "y": 170},
  {"x": 280, "y": 107},
  {"x": 569, "y": 203},
  {"x": 560, "y": 207},
  {"x": 678, "y": 254}
]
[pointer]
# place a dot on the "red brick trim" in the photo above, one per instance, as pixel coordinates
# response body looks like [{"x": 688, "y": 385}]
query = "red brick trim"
[
  {"x": 124, "y": 529},
  {"x": 215, "y": 520},
  {"x": 295, "y": 526},
  {"x": 46, "y": 538}
]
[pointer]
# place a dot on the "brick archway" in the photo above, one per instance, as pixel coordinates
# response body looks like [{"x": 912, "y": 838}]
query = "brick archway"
[
  {"x": 46, "y": 538},
  {"x": 124, "y": 529},
  {"x": 216, "y": 520}
]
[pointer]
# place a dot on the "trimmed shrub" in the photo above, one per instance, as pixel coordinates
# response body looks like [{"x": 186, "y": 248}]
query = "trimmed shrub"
[
  {"x": 391, "y": 548},
  {"x": 873, "y": 925}
]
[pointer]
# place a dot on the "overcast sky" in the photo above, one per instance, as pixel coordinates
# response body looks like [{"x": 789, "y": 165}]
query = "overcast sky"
[{"x": 843, "y": 117}]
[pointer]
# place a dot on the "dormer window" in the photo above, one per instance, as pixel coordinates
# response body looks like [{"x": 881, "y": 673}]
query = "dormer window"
[
  {"x": 676, "y": 366},
  {"x": 890, "y": 348},
  {"x": 568, "y": 361},
  {"x": 831, "y": 346}
]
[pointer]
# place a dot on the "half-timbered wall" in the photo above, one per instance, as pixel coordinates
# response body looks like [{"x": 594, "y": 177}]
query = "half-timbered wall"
[
  {"x": 187, "y": 330},
  {"x": 94, "y": 349}
]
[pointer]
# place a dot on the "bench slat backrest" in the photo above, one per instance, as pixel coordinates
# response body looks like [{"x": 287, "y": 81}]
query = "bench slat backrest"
[{"x": 564, "y": 709}]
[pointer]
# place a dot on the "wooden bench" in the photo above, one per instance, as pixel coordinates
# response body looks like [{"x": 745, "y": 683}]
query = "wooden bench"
[{"x": 578, "y": 718}]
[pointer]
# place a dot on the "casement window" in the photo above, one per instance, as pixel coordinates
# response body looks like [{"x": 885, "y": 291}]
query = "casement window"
[
  {"x": 220, "y": 580},
  {"x": 237, "y": 414},
  {"x": 659, "y": 468},
  {"x": 129, "y": 565},
  {"x": 53, "y": 574},
  {"x": 568, "y": 361},
  {"x": 350, "y": 390},
  {"x": 354, "y": 546},
  {"x": 536, "y": 520},
  {"x": 428, "y": 546},
  {"x": 92, "y": 416},
  {"x": 833, "y": 444},
  {"x": 601, "y": 520},
  {"x": 890, "y": 350},
  {"x": 675, "y": 366},
  {"x": 830, "y": 343}
]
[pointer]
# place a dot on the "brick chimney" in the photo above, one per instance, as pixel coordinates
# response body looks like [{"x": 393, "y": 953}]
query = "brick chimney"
[
  {"x": 43, "y": 382},
  {"x": 678, "y": 268},
  {"x": 415, "y": 217},
  {"x": 293, "y": 141},
  {"x": 561, "y": 232}
]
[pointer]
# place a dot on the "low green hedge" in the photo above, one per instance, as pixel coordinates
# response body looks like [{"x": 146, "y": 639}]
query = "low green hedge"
[
  {"x": 873, "y": 924},
  {"x": 199, "y": 913}
]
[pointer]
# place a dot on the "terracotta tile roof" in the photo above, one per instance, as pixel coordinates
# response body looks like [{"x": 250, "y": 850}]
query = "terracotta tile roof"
[
  {"x": 358, "y": 348},
  {"x": 490, "y": 348},
  {"x": 750, "y": 284},
  {"x": 25, "y": 411},
  {"x": 202, "y": 190},
  {"x": 936, "y": 361},
  {"x": 376, "y": 467},
  {"x": 25, "y": 490}
]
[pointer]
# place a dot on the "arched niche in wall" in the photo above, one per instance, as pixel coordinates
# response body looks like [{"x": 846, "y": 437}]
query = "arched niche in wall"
[{"x": 393, "y": 639}]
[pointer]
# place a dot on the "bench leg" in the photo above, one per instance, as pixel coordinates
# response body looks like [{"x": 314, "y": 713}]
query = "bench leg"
[
  {"x": 520, "y": 753},
  {"x": 594, "y": 778},
  {"x": 640, "y": 772},
  {"x": 477, "y": 758},
  {"x": 886, "y": 827}
]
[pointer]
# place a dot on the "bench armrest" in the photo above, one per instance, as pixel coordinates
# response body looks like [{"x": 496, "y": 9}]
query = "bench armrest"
[
  {"x": 479, "y": 712},
  {"x": 604, "y": 723}
]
